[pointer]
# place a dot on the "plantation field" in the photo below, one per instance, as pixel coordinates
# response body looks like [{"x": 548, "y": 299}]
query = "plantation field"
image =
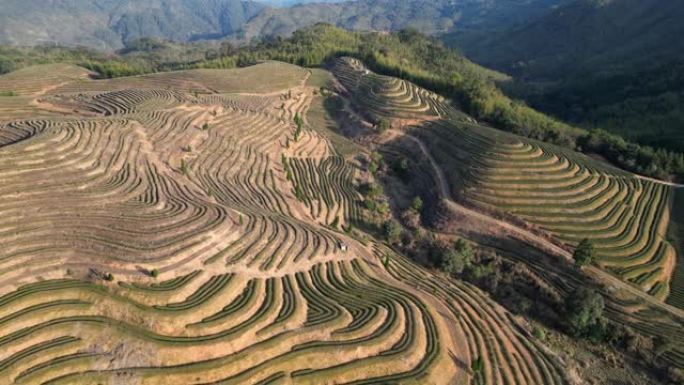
[
  {"x": 177, "y": 228},
  {"x": 503, "y": 188},
  {"x": 564, "y": 194}
]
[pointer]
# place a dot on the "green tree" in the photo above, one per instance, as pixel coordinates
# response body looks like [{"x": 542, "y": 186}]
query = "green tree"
[
  {"x": 584, "y": 312},
  {"x": 417, "y": 204},
  {"x": 458, "y": 257},
  {"x": 335, "y": 222},
  {"x": 392, "y": 230},
  {"x": 373, "y": 190},
  {"x": 383, "y": 125},
  {"x": 584, "y": 253}
]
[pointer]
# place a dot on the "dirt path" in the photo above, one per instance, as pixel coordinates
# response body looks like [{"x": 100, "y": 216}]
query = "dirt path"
[
  {"x": 671, "y": 184},
  {"x": 530, "y": 237},
  {"x": 300, "y": 87}
]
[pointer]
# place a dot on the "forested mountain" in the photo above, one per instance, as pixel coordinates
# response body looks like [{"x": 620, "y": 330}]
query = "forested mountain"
[
  {"x": 585, "y": 34},
  {"x": 427, "y": 16},
  {"x": 109, "y": 24},
  {"x": 289, "y": 3},
  {"x": 615, "y": 64}
]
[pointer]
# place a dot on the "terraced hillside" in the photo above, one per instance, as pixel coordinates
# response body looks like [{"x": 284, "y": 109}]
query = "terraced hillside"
[
  {"x": 501, "y": 186},
  {"x": 176, "y": 228},
  {"x": 563, "y": 193},
  {"x": 385, "y": 97}
]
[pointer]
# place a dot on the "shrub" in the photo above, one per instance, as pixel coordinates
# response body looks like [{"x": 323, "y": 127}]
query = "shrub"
[
  {"x": 383, "y": 125},
  {"x": 392, "y": 230},
  {"x": 401, "y": 168},
  {"x": 369, "y": 204},
  {"x": 457, "y": 258},
  {"x": 417, "y": 204},
  {"x": 539, "y": 333},
  {"x": 372, "y": 190},
  {"x": 382, "y": 208},
  {"x": 584, "y": 253},
  {"x": 584, "y": 313}
]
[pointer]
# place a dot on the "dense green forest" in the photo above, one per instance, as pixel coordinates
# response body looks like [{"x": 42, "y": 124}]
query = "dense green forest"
[
  {"x": 617, "y": 65},
  {"x": 406, "y": 54},
  {"x": 645, "y": 105}
]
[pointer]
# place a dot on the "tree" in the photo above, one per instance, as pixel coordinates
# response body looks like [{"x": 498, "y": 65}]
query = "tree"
[
  {"x": 184, "y": 167},
  {"x": 457, "y": 258},
  {"x": 392, "y": 230},
  {"x": 417, "y": 204},
  {"x": 401, "y": 168},
  {"x": 383, "y": 125},
  {"x": 584, "y": 253},
  {"x": 374, "y": 190},
  {"x": 584, "y": 312}
]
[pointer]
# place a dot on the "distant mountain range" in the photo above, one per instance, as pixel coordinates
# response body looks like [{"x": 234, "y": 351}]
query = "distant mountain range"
[
  {"x": 109, "y": 24},
  {"x": 289, "y": 3}
]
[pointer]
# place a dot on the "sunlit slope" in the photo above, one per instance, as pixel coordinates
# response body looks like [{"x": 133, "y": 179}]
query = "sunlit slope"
[
  {"x": 551, "y": 196},
  {"x": 566, "y": 194},
  {"x": 170, "y": 229}
]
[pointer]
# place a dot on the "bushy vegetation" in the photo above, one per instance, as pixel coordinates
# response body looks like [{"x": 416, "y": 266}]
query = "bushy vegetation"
[
  {"x": 584, "y": 313},
  {"x": 584, "y": 253}
]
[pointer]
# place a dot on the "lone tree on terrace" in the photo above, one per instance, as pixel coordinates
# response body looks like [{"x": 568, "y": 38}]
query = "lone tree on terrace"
[{"x": 584, "y": 253}]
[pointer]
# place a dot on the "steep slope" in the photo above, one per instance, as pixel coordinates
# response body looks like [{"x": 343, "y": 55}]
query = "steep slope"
[
  {"x": 609, "y": 64},
  {"x": 615, "y": 34}
]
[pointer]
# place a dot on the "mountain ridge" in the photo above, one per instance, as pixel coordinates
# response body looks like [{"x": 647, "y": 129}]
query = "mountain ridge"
[{"x": 110, "y": 24}]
